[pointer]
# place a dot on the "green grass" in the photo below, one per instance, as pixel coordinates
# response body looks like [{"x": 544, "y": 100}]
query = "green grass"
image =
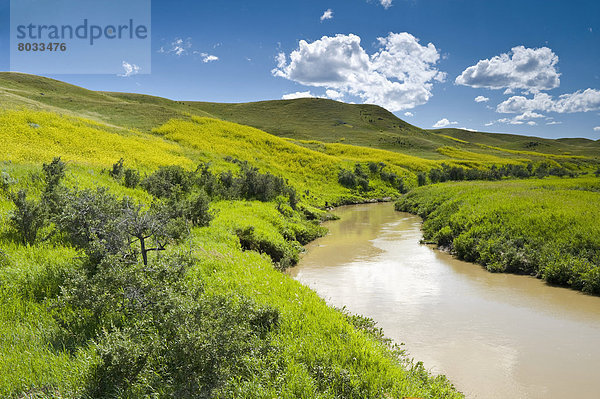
[
  {"x": 541, "y": 227},
  {"x": 317, "y": 352},
  {"x": 302, "y": 119}
]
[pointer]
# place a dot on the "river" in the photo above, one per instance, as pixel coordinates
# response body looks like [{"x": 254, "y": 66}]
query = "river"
[{"x": 493, "y": 335}]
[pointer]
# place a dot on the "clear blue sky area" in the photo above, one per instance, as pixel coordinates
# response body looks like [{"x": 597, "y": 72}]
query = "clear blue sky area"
[{"x": 528, "y": 67}]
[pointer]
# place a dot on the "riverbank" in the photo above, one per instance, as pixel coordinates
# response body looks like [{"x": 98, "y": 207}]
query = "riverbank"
[
  {"x": 71, "y": 327},
  {"x": 494, "y": 335},
  {"x": 539, "y": 227}
]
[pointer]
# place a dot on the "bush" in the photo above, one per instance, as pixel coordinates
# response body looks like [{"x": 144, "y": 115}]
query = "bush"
[
  {"x": 54, "y": 172},
  {"x": 117, "y": 170},
  {"x": 168, "y": 181},
  {"x": 5, "y": 182},
  {"x": 28, "y": 217},
  {"x": 347, "y": 178},
  {"x": 155, "y": 336},
  {"x": 421, "y": 179},
  {"x": 131, "y": 178}
]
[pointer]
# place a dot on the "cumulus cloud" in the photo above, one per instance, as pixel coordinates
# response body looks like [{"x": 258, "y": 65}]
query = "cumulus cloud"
[
  {"x": 298, "y": 94},
  {"x": 524, "y": 118},
  {"x": 553, "y": 123},
  {"x": 409, "y": 114},
  {"x": 481, "y": 99},
  {"x": 334, "y": 95},
  {"x": 443, "y": 123},
  {"x": 328, "y": 14},
  {"x": 529, "y": 69},
  {"x": 208, "y": 57},
  {"x": 130, "y": 69},
  {"x": 386, "y": 3},
  {"x": 579, "y": 101},
  {"x": 597, "y": 129},
  {"x": 399, "y": 76}
]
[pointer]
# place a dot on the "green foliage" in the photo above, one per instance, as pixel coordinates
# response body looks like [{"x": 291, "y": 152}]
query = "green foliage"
[
  {"x": 347, "y": 178},
  {"x": 167, "y": 181},
  {"x": 117, "y": 170},
  {"x": 28, "y": 217},
  {"x": 538, "y": 227},
  {"x": 131, "y": 178}
]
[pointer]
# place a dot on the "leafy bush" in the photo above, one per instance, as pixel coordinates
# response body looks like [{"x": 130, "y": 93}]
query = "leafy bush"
[
  {"x": 117, "y": 169},
  {"x": 157, "y": 337},
  {"x": 131, "y": 178},
  {"x": 168, "y": 181},
  {"x": 28, "y": 217},
  {"x": 347, "y": 178}
]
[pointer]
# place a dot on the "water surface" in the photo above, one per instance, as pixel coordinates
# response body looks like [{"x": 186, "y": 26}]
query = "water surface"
[{"x": 493, "y": 335}]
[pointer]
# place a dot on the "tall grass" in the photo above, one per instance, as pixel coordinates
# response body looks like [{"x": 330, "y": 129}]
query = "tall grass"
[{"x": 543, "y": 227}]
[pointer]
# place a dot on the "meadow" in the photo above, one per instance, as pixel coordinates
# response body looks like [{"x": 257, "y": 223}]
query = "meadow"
[
  {"x": 211, "y": 315},
  {"x": 541, "y": 227},
  {"x": 201, "y": 309}
]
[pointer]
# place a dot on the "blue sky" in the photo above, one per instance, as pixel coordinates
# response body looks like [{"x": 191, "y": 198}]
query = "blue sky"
[{"x": 533, "y": 65}]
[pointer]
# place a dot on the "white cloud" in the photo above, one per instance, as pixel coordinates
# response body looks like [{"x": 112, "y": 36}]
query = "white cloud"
[
  {"x": 334, "y": 95},
  {"x": 481, "y": 99},
  {"x": 178, "y": 47},
  {"x": 386, "y": 3},
  {"x": 597, "y": 129},
  {"x": 530, "y": 69},
  {"x": 579, "y": 101},
  {"x": 443, "y": 123},
  {"x": 298, "y": 94},
  {"x": 553, "y": 123},
  {"x": 520, "y": 119},
  {"x": 489, "y": 123},
  {"x": 399, "y": 76},
  {"x": 208, "y": 57},
  {"x": 183, "y": 47},
  {"x": 409, "y": 114},
  {"x": 467, "y": 129},
  {"x": 328, "y": 14},
  {"x": 130, "y": 69}
]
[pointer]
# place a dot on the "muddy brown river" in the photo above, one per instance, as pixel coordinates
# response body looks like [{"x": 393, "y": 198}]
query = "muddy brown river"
[{"x": 493, "y": 335}]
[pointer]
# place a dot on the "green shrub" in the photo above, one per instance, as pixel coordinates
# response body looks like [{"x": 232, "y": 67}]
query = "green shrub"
[
  {"x": 131, "y": 178},
  {"x": 168, "y": 181},
  {"x": 347, "y": 178},
  {"x": 28, "y": 217}
]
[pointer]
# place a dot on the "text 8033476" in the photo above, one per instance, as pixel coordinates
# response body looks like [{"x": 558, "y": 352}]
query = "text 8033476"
[{"x": 50, "y": 46}]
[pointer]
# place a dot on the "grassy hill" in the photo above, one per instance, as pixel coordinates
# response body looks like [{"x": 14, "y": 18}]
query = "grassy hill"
[
  {"x": 209, "y": 315},
  {"x": 307, "y": 119}
]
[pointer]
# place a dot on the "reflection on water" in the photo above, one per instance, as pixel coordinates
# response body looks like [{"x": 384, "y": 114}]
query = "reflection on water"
[{"x": 493, "y": 335}]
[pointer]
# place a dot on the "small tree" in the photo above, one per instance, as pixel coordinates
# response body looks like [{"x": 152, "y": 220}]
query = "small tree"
[
  {"x": 28, "y": 217},
  {"x": 117, "y": 169},
  {"x": 131, "y": 178},
  {"x": 421, "y": 179},
  {"x": 347, "y": 179}
]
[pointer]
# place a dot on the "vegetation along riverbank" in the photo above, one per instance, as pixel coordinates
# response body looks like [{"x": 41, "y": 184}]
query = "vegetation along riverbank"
[
  {"x": 142, "y": 239},
  {"x": 543, "y": 227}
]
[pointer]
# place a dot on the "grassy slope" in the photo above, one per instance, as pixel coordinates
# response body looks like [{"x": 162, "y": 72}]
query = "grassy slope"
[
  {"x": 373, "y": 126},
  {"x": 312, "y": 339},
  {"x": 303, "y": 119},
  {"x": 31, "y": 137},
  {"x": 541, "y": 227}
]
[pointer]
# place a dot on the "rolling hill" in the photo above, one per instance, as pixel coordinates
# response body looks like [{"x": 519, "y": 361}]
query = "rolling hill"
[{"x": 301, "y": 120}]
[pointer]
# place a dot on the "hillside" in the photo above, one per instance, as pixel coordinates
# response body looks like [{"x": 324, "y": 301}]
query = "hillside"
[{"x": 302, "y": 120}]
